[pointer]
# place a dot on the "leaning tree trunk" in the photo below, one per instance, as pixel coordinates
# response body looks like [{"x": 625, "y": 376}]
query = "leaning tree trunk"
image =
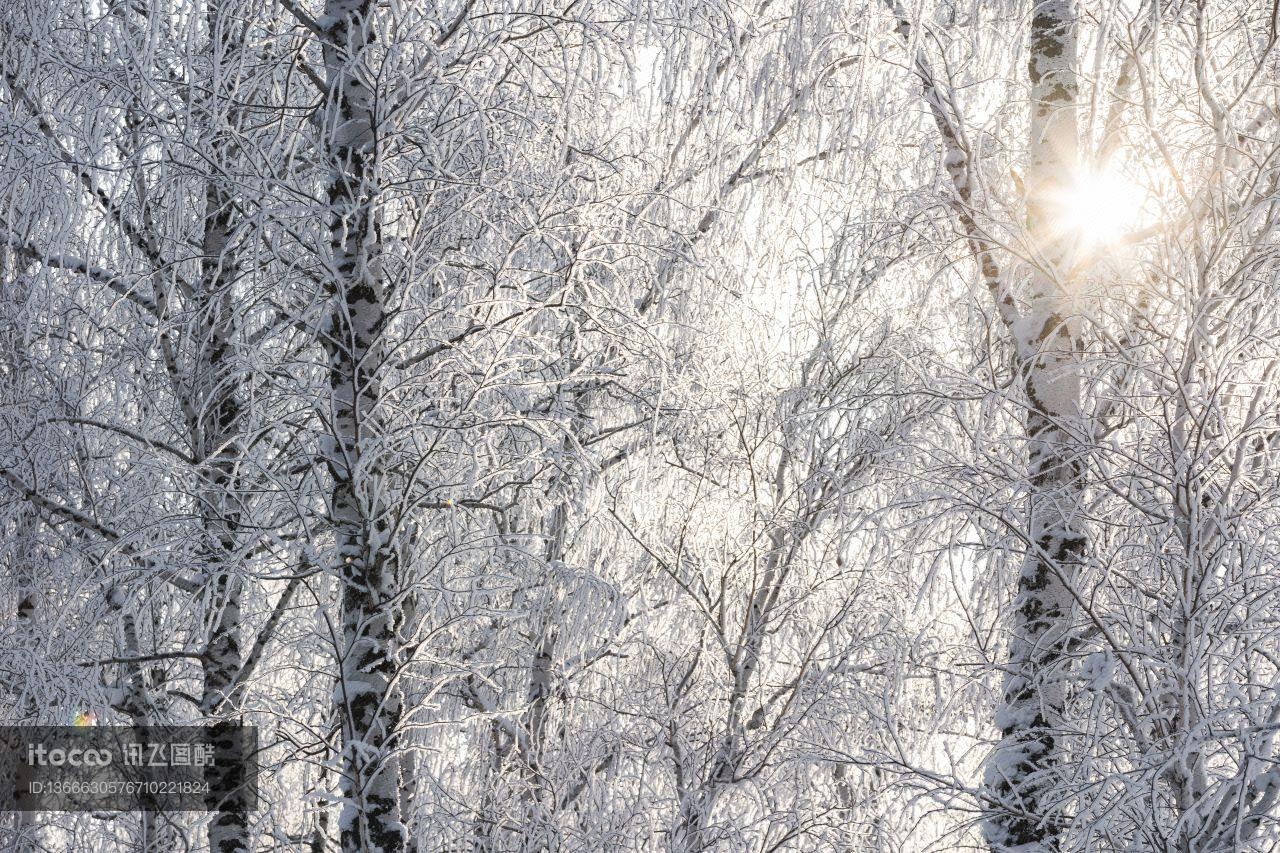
[
  {"x": 1022, "y": 777},
  {"x": 366, "y": 697}
]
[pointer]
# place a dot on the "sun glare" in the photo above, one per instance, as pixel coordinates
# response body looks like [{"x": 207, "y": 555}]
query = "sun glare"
[{"x": 1100, "y": 208}]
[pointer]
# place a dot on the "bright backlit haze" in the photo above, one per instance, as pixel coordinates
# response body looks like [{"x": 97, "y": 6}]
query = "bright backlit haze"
[{"x": 1100, "y": 207}]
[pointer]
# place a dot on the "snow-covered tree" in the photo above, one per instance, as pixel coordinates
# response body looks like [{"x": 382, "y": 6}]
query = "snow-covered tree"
[{"x": 800, "y": 425}]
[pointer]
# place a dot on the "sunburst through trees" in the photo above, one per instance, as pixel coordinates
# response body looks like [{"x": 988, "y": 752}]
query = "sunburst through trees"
[{"x": 800, "y": 425}]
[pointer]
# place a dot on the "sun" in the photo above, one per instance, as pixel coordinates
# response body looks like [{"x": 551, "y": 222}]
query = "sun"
[{"x": 1099, "y": 209}]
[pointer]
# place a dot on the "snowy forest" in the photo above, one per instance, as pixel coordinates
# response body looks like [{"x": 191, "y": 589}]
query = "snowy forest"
[{"x": 706, "y": 426}]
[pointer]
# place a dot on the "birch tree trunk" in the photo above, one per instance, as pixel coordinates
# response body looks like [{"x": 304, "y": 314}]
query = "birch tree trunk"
[
  {"x": 1021, "y": 777},
  {"x": 368, "y": 703},
  {"x": 23, "y": 546},
  {"x": 218, "y": 416}
]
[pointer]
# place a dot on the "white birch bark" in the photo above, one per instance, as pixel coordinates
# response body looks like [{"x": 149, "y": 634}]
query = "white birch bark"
[
  {"x": 1021, "y": 776},
  {"x": 214, "y": 438},
  {"x": 367, "y": 701}
]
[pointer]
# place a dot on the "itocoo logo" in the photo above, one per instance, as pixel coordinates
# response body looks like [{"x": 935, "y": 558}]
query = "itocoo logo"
[{"x": 39, "y": 755}]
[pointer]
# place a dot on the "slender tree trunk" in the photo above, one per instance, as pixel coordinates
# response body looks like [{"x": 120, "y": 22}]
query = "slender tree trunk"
[
  {"x": 156, "y": 831},
  {"x": 1022, "y": 776},
  {"x": 698, "y": 803},
  {"x": 221, "y": 511},
  {"x": 24, "y": 554},
  {"x": 217, "y": 415},
  {"x": 537, "y": 796},
  {"x": 368, "y": 702}
]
